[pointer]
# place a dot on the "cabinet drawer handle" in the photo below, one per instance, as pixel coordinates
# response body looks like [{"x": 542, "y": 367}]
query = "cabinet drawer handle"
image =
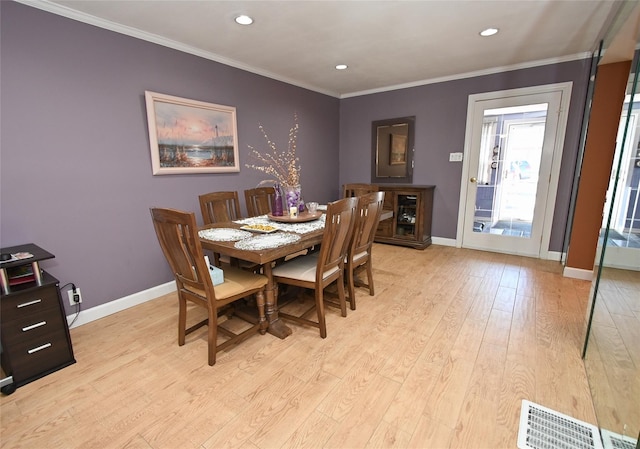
[
  {"x": 30, "y": 303},
  {"x": 33, "y": 326},
  {"x": 39, "y": 348}
]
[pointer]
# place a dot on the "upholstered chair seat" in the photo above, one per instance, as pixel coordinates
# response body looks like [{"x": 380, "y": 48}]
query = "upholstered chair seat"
[
  {"x": 177, "y": 234},
  {"x": 321, "y": 268}
]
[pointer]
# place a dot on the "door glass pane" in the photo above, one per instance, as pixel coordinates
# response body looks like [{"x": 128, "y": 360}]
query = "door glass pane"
[
  {"x": 624, "y": 230},
  {"x": 507, "y": 181}
]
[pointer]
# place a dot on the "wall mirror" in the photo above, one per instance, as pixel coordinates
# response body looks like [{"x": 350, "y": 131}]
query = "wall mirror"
[{"x": 392, "y": 150}]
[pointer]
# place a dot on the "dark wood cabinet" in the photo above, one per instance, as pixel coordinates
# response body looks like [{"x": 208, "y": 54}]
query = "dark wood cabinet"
[
  {"x": 33, "y": 326},
  {"x": 407, "y": 215}
]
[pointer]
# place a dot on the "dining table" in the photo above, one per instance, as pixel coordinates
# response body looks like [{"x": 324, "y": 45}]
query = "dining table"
[{"x": 264, "y": 240}]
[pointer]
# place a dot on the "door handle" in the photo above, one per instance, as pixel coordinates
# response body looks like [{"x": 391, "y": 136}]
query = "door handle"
[{"x": 473, "y": 179}]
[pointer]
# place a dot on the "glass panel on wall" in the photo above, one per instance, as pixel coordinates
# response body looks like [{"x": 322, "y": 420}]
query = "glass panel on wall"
[
  {"x": 612, "y": 344},
  {"x": 510, "y": 155}
]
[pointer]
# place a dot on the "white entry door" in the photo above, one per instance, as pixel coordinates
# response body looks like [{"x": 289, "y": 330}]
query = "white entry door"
[{"x": 513, "y": 149}]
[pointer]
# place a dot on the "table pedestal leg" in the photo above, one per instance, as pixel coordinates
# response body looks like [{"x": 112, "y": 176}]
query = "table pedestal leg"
[
  {"x": 276, "y": 326},
  {"x": 262, "y": 320}
]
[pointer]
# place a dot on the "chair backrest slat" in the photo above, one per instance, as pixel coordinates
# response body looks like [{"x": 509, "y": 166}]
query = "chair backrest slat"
[
  {"x": 358, "y": 189},
  {"x": 217, "y": 207},
  {"x": 259, "y": 200},
  {"x": 340, "y": 219},
  {"x": 368, "y": 217},
  {"x": 178, "y": 236}
]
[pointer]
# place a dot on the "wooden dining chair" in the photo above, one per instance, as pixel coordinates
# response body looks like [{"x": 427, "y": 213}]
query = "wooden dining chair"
[
  {"x": 320, "y": 269},
  {"x": 222, "y": 207},
  {"x": 359, "y": 255},
  {"x": 219, "y": 207},
  {"x": 259, "y": 200},
  {"x": 358, "y": 189},
  {"x": 178, "y": 236}
]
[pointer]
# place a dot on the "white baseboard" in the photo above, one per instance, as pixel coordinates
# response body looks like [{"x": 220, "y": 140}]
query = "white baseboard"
[
  {"x": 549, "y": 255},
  {"x": 621, "y": 258},
  {"x": 578, "y": 273},
  {"x": 443, "y": 242},
  {"x": 555, "y": 255},
  {"x": 103, "y": 310},
  {"x": 118, "y": 305}
]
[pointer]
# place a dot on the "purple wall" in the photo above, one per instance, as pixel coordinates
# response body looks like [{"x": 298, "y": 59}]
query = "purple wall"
[
  {"x": 75, "y": 175},
  {"x": 441, "y": 113}
]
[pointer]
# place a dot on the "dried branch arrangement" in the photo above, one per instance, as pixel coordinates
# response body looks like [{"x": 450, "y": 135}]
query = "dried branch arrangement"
[{"x": 284, "y": 166}]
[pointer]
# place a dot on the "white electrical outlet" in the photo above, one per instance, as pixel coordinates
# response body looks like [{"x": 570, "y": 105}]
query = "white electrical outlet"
[{"x": 70, "y": 293}]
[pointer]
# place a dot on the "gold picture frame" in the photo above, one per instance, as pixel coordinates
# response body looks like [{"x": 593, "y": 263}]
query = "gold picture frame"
[{"x": 190, "y": 136}]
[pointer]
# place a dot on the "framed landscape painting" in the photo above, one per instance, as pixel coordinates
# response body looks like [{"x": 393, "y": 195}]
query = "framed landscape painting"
[
  {"x": 190, "y": 136},
  {"x": 398, "y": 149}
]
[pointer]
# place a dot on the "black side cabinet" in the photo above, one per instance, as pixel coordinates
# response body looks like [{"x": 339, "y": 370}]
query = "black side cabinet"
[{"x": 33, "y": 327}]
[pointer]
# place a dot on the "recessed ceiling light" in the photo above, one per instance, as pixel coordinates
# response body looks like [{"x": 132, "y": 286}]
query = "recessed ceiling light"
[
  {"x": 488, "y": 32},
  {"x": 341, "y": 66},
  {"x": 244, "y": 20}
]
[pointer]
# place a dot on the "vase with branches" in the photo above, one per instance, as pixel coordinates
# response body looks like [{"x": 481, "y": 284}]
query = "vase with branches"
[{"x": 282, "y": 166}]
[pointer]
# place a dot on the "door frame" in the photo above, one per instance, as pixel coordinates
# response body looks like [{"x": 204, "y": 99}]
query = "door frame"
[
  {"x": 563, "y": 114},
  {"x": 620, "y": 172}
]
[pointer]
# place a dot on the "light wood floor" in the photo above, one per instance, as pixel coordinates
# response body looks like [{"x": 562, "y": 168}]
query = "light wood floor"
[
  {"x": 613, "y": 354},
  {"x": 440, "y": 357}
]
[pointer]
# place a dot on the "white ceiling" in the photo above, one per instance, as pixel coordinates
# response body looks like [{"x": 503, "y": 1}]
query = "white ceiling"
[{"x": 386, "y": 44}]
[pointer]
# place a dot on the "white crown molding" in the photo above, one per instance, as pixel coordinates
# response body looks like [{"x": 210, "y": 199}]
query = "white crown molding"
[
  {"x": 69, "y": 13},
  {"x": 491, "y": 71},
  {"x": 64, "y": 11}
]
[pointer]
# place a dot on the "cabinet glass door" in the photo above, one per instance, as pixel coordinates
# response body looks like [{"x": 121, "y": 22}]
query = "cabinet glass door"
[{"x": 406, "y": 217}]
